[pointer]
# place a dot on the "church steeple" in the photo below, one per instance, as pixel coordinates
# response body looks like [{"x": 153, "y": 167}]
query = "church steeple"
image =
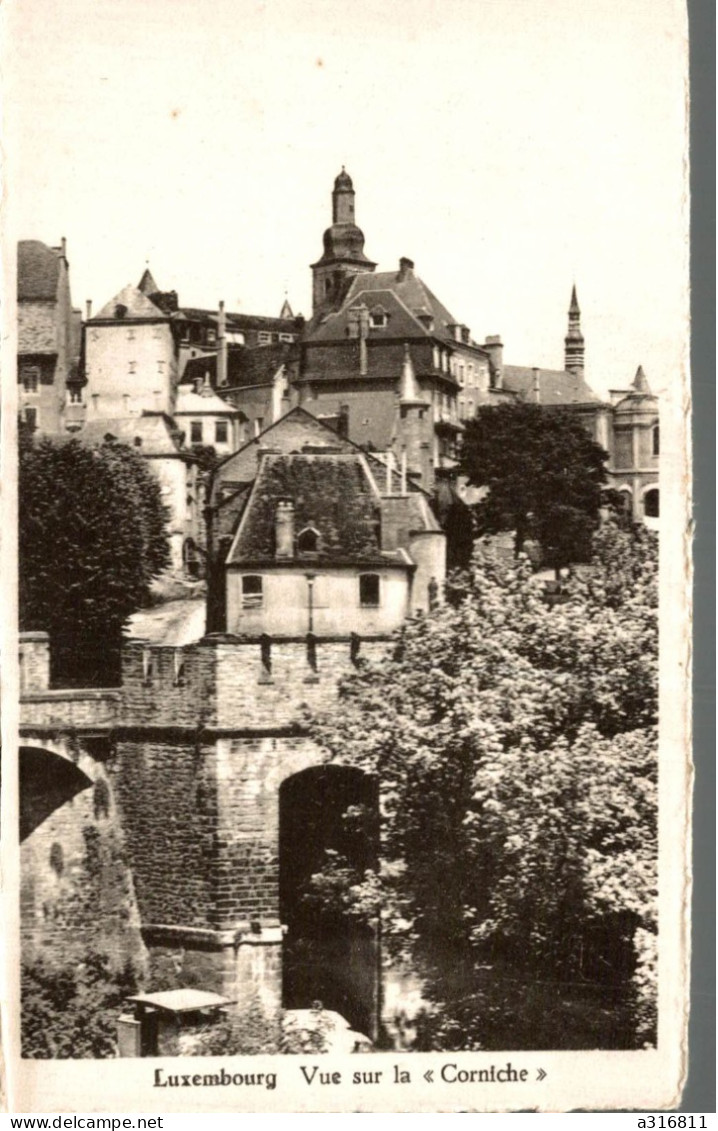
[
  {"x": 343, "y": 249},
  {"x": 574, "y": 343}
]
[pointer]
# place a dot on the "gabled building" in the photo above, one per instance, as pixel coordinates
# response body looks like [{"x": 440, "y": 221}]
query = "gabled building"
[
  {"x": 384, "y": 352},
  {"x": 308, "y": 534},
  {"x": 131, "y": 358},
  {"x": 49, "y": 333}
]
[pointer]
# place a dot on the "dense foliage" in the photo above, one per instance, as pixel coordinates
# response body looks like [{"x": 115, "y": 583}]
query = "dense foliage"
[
  {"x": 544, "y": 476},
  {"x": 515, "y": 745},
  {"x": 91, "y": 538},
  {"x": 72, "y": 1011}
]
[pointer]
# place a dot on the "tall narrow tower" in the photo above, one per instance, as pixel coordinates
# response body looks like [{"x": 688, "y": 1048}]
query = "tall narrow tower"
[
  {"x": 574, "y": 354},
  {"x": 343, "y": 249}
]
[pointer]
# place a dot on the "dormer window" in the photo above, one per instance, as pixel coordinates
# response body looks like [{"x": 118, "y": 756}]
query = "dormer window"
[
  {"x": 378, "y": 318},
  {"x": 308, "y": 541},
  {"x": 211, "y": 337}
]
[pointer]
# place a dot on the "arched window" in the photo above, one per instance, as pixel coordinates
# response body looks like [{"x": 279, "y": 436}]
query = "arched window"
[
  {"x": 656, "y": 440},
  {"x": 651, "y": 503},
  {"x": 308, "y": 540},
  {"x": 369, "y": 590},
  {"x": 252, "y": 591}
]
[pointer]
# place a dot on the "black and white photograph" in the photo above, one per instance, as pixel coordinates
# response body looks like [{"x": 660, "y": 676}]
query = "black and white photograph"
[{"x": 346, "y": 410}]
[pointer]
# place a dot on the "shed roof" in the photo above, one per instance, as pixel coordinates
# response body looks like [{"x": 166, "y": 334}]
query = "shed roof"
[{"x": 182, "y": 1001}]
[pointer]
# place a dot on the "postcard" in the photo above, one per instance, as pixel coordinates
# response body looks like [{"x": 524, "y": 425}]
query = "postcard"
[{"x": 347, "y": 556}]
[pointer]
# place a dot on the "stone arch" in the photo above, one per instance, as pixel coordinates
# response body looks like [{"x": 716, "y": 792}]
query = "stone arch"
[
  {"x": 48, "y": 779},
  {"x": 76, "y": 888},
  {"x": 328, "y": 815},
  {"x": 650, "y": 498}
]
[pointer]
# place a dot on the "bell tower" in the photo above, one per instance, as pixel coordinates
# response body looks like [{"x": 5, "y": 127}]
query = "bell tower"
[
  {"x": 574, "y": 344},
  {"x": 343, "y": 250}
]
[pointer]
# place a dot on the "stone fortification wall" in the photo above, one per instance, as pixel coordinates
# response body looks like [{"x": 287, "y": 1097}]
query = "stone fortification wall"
[
  {"x": 77, "y": 891},
  {"x": 224, "y": 682}
]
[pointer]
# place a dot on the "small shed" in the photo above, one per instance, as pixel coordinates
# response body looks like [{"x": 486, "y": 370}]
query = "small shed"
[{"x": 167, "y": 1023}]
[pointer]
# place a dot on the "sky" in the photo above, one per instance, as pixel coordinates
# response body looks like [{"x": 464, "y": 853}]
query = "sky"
[{"x": 509, "y": 147}]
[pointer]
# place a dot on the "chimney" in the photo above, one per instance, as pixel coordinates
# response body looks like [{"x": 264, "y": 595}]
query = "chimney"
[
  {"x": 343, "y": 422},
  {"x": 88, "y": 309},
  {"x": 406, "y": 269},
  {"x": 63, "y": 247},
  {"x": 495, "y": 349},
  {"x": 363, "y": 334},
  {"x": 221, "y": 347},
  {"x": 536, "y": 385},
  {"x": 284, "y": 529},
  {"x": 198, "y": 383}
]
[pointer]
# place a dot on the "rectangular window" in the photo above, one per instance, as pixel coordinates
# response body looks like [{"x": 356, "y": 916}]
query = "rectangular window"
[
  {"x": 286, "y": 337},
  {"x": 31, "y": 417},
  {"x": 30, "y": 377},
  {"x": 195, "y": 432},
  {"x": 623, "y": 443},
  {"x": 220, "y": 432},
  {"x": 252, "y": 592},
  {"x": 264, "y": 338},
  {"x": 369, "y": 590}
]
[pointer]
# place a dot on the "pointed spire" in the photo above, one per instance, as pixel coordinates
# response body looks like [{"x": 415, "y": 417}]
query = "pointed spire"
[
  {"x": 574, "y": 344},
  {"x": 574, "y": 308},
  {"x": 147, "y": 284},
  {"x": 286, "y": 311},
  {"x": 640, "y": 382},
  {"x": 408, "y": 388}
]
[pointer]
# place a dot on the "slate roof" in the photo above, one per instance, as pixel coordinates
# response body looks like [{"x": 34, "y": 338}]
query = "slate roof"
[
  {"x": 331, "y": 492},
  {"x": 138, "y": 306},
  {"x": 246, "y": 365},
  {"x": 557, "y": 386},
  {"x": 288, "y": 434},
  {"x": 401, "y": 323},
  {"x": 236, "y": 321},
  {"x": 38, "y": 271}
]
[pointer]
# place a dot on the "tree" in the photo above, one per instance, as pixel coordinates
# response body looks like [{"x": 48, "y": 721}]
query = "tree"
[
  {"x": 544, "y": 476},
  {"x": 515, "y": 745},
  {"x": 92, "y": 536}
]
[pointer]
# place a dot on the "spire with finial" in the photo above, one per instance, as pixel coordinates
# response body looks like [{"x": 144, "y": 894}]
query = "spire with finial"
[{"x": 574, "y": 343}]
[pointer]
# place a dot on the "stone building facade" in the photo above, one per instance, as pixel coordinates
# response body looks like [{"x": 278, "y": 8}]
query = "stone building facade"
[
  {"x": 384, "y": 352},
  {"x": 49, "y": 333}
]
